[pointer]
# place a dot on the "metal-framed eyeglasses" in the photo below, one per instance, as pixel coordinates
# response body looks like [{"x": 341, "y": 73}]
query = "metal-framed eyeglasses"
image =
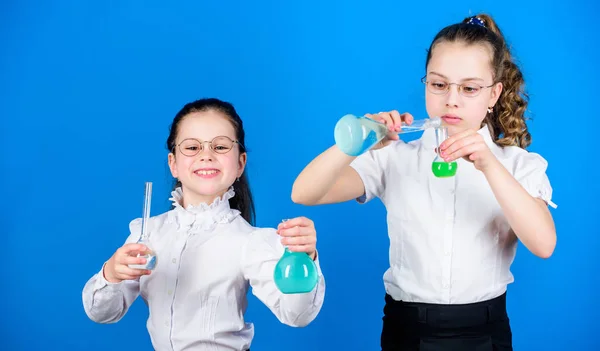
[
  {"x": 220, "y": 145},
  {"x": 438, "y": 86}
]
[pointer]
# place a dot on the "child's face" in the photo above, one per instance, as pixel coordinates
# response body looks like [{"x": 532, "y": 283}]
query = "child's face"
[
  {"x": 463, "y": 64},
  {"x": 208, "y": 174}
]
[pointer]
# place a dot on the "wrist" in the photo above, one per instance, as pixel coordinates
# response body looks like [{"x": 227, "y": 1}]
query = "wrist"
[
  {"x": 106, "y": 273},
  {"x": 492, "y": 167}
]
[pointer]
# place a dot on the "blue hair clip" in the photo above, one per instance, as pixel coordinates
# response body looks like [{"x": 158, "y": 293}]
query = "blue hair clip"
[{"x": 476, "y": 21}]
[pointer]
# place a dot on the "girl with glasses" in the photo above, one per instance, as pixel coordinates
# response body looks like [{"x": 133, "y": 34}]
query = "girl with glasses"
[
  {"x": 209, "y": 251},
  {"x": 452, "y": 239}
]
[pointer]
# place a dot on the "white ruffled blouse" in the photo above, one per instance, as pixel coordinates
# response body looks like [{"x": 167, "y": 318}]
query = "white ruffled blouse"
[{"x": 207, "y": 258}]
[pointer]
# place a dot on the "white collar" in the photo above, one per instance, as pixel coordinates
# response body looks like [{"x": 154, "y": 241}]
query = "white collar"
[{"x": 203, "y": 216}]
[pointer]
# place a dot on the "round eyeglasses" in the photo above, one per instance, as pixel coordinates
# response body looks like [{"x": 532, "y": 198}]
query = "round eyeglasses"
[
  {"x": 440, "y": 87},
  {"x": 220, "y": 145}
]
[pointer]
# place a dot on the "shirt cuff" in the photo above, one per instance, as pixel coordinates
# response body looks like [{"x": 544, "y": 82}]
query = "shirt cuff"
[
  {"x": 316, "y": 260},
  {"x": 101, "y": 281}
]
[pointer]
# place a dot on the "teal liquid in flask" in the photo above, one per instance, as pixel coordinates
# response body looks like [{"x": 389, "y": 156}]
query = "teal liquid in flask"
[
  {"x": 295, "y": 273},
  {"x": 355, "y": 135}
]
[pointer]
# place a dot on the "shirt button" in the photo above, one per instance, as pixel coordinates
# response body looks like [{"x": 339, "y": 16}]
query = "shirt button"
[
  {"x": 447, "y": 253},
  {"x": 170, "y": 292},
  {"x": 166, "y": 324},
  {"x": 445, "y": 286},
  {"x": 173, "y": 260}
]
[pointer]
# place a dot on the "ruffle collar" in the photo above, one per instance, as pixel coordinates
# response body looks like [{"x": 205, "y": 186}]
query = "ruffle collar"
[{"x": 203, "y": 216}]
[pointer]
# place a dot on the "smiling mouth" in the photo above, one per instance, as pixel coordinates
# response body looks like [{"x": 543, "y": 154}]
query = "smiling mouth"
[{"x": 206, "y": 172}]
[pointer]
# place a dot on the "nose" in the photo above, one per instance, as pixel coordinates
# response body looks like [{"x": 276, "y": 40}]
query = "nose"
[
  {"x": 205, "y": 153},
  {"x": 205, "y": 157},
  {"x": 453, "y": 96}
]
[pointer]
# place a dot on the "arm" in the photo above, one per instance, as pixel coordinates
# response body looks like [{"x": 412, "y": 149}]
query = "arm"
[
  {"x": 106, "y": 302},
  {"x": 528, "y": 216},
  {"x": 261, "y": 253},
  {"x": 525, "y": 209},
  {"x": 109, "y": 293},
  {"x": 328, "y": 179}
]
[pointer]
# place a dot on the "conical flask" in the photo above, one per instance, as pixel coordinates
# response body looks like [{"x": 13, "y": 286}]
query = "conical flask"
[
  {"x": 355, "y": 135},
  {"x": 439, "y": 167}
]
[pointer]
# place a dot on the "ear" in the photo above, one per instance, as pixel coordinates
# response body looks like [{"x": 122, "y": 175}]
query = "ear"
[
  {"x": 495, "y": 95},
  {"x": 242, "y": 163},
  {"x": 173, "y": 165}
]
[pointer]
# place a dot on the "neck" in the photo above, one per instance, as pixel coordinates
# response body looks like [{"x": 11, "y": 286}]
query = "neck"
[{"x": 194, "y": 199}]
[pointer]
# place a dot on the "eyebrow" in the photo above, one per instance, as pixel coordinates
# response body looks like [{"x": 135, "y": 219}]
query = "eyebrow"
[
  {"x": 209, "y": 139},
  {"x": 462, "y": 80},
  {"x": 204, "y": 140}
]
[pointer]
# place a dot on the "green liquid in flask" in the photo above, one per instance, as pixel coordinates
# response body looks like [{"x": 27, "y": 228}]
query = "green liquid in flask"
[
  {"x": 439, "y": 167},
  {"x": 295, "y": 273},
  {"x": 444, "y": 169}
]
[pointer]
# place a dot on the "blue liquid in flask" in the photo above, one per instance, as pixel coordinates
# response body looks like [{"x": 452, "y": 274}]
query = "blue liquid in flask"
[
  {"x": 295, "y": 273},
  {"x": 355, "y": 135}
]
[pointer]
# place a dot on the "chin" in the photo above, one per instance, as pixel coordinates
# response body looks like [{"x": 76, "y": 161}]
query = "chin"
[
  {"x": 210, "y": 191},
  {"x": 454, "y": 129},
  {"x": 206, "y": 190}
]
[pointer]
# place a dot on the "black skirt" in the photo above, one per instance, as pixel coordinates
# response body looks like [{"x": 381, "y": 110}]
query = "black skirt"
[{"x": 481, "y": 326}]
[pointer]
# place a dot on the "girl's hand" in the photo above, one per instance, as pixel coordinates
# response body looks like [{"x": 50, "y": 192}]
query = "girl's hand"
[
  {"x": 299, "y": 235},
  {"x": 116, "y": 268},
  {"x": 469, "y": 145},
  {"x": 393, "y": 120}
]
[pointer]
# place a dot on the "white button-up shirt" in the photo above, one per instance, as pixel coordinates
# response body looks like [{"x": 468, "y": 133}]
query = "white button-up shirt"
[
  {"x": 207, "y": 257},
  {"x": 449, "y": 240}
]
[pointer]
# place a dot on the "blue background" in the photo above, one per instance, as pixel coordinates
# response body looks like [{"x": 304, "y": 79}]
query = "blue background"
[{"x": 88, "y": 89}]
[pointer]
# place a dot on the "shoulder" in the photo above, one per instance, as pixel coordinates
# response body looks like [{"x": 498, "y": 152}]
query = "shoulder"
[
  {"x": 519, "y": 160},
  {"x": 239, "y": 226},
  {"x": 155, "y": 223},
  {"x": 264, "y": 237}
]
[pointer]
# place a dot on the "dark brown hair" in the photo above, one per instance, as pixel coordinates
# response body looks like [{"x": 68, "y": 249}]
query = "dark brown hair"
[{"x": 242, "y": 200}]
